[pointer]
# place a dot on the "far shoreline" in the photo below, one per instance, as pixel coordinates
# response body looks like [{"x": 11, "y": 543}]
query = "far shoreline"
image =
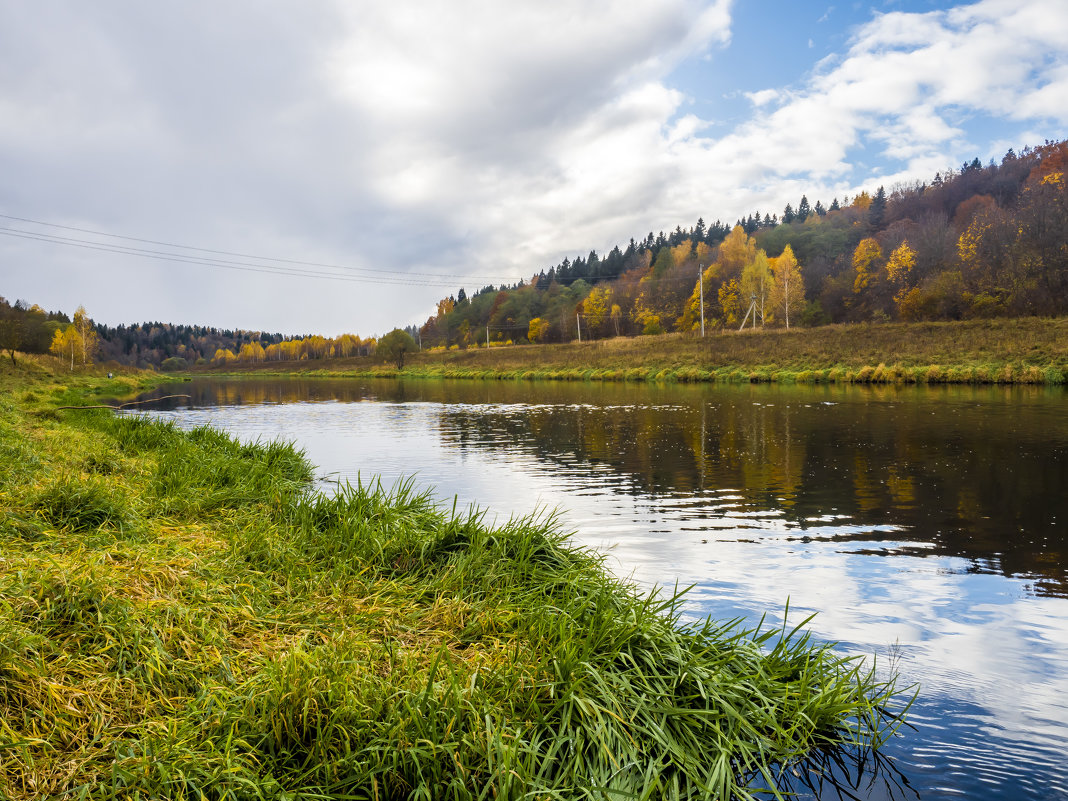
[{"x": 1021, "y": 351}]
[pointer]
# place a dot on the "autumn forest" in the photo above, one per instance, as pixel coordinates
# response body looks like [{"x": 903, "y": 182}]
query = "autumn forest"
[
  {"x": 981, "y": 241},
  {"x": 974, "y": 242}
]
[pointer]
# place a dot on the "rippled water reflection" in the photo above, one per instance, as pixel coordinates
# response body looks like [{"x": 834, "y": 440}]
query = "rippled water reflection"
[{"x": 928, "y": 526}]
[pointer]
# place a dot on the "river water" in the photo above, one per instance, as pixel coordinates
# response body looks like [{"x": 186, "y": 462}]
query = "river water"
[{"x": 925, "y": 526}]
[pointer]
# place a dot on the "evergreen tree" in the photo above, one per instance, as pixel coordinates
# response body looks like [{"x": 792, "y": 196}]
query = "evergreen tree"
[
  {"x": 593, "y": 267},
  {"x": 578, "y": 270},
  {"x": 803, "y": 209},
  {"x": 788, "y": 214},
  {"x": 877, "y": 212},
  {"x": 564, "y": 271}
]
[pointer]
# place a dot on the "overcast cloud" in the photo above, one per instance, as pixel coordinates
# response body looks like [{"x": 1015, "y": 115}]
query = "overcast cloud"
[{"x": 472, "y": 142}]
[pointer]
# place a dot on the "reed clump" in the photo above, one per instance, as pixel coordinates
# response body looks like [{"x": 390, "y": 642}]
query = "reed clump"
[{"x": 258, "y": 640}]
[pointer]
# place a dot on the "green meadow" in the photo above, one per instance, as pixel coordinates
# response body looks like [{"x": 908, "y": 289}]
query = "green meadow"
[{"x": 1000, "y": 351}]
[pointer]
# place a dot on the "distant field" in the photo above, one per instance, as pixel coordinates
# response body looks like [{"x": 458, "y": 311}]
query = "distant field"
[{"x": 1028, "y": 350}]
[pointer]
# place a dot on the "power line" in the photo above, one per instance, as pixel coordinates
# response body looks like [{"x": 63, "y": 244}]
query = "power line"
[
  {"x": 183, "y": 259},
  {"x": 280, "y": 266},
  {"x": 383, "y": 275}
]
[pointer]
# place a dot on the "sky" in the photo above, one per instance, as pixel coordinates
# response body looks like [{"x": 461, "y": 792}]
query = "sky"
[{"x": 330, "y": 166}]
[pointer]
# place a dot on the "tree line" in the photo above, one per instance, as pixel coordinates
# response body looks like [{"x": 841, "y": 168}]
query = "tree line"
[
  {"x": 28, "y": 328},
  {"x": 981, "y": 241},
  {"x": 160, "y": 346}
]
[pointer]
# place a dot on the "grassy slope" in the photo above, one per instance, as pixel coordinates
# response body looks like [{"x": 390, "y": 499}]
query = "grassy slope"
[
  {"x": 1027, "y": 350},
  {"x": 178, "y": 617}
]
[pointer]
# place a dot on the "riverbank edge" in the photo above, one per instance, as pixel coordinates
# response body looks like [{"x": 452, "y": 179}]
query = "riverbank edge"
[
  {"x": 1027, "y": 351},
  {"x": 188, "y": 588},
  {"x": 988, "y": 375}
]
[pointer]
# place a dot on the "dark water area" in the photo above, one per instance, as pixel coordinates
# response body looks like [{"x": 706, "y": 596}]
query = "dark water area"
[{"x": 927, "y": 526}]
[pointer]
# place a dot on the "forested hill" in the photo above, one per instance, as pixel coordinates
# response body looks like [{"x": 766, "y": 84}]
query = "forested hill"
[{"x": 975, "y": 242}]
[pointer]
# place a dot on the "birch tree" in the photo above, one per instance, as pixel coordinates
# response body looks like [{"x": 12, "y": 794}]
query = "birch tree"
[
  {"x": 757, "y": 280},
  {"x": 87, "y": 338},
  {"x": 66, "y": 342},
  {"x": 788, "y": 287}
]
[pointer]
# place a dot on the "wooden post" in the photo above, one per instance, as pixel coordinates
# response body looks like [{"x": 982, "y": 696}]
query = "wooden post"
[{"x": 752, "y": 308}]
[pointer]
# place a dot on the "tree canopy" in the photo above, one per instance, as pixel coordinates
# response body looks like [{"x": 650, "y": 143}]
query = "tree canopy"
[{"x": 395, "y": 345}]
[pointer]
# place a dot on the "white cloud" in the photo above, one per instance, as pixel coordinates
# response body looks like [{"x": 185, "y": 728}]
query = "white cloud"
[
  {"x": 906, "y": 91},
  {"x": 763, "y": 97},
  {"x": 469, "y": 137}
]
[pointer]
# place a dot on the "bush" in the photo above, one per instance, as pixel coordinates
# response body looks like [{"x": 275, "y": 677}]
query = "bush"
[
  {"x": 174, "y": 364},
  {"x": 813, "y": 315}
]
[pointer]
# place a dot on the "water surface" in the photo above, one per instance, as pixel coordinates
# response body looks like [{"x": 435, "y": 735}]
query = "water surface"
[{"x": 928, "y": 526}]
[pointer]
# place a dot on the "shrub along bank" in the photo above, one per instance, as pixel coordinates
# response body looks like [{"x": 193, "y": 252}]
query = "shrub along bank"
[{"x": 181, "y": 617}]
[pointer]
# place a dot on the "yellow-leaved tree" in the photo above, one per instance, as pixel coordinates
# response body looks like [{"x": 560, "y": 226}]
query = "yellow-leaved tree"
[
  {"x": 756, "y": 281},
  {"x": 66, "y": 343},
  {"x": 251, "y": 352},
  {"x": 88, "y": 340},
  {"x": 899, "y": 270},
  {"x": 223, "y": 356},
  {"x": 735, "y": 251},
  {"x": 730, "y": 302},
  {"x": 704, "y": 288},
  {"x": 596, "y": 307},
  {"x": 865, "y": 256},
  {"x": 346, "y": 345},
  {"x": 788, "y": 287},
  {"x": 538, "y": 329}
]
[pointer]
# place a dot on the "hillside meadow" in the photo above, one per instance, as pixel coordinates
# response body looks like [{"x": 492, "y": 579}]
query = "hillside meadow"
[{"x": 1009, "y": 351}]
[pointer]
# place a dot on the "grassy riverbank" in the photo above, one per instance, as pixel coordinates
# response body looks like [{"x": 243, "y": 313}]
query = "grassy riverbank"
[
  {"x": 1019, "y": 351},
  {"x": 181, "y": 618}
]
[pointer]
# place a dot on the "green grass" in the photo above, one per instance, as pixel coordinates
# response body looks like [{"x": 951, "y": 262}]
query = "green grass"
[
  {"x": 180, "y": 617},
  {"x": 1001, "y": 351}
]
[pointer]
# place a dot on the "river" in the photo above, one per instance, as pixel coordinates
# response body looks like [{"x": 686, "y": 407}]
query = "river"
[{"x": 927, "y": 526}]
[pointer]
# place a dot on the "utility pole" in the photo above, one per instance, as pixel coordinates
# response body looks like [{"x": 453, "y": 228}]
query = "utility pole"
[
  {"x": 750, "y": 310},
  {"x": 578, "y": 327},
  {"x": 701, "y": 284}
]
